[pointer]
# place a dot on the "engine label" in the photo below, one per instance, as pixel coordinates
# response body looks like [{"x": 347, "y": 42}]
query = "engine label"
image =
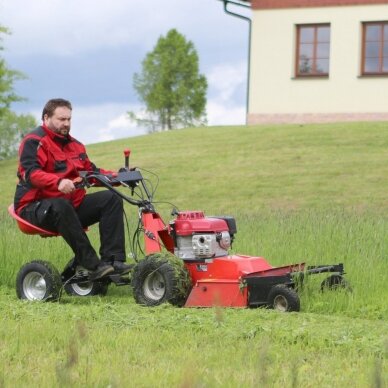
[{"x": 201, "y": 267}]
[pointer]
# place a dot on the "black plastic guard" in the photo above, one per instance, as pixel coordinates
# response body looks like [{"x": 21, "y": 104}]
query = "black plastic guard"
[{"x": 259, "y": 287}]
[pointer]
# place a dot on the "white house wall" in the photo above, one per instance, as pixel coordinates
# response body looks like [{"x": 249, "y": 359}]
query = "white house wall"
[{"x": 277, "y": 96}]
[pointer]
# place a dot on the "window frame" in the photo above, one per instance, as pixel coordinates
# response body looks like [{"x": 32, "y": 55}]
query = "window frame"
[
  {"x": 314, "y": 73},
  {"x": 380, "y": 57}
]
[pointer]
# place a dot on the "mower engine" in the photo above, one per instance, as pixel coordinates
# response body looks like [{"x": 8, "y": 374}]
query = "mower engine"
[{"x": 198, "y": 237}]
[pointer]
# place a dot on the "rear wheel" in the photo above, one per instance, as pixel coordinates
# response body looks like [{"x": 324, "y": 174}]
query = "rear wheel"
[
  {"x": 160, "y": 278},
  {"x": 335, "y": 282},
  {"x": 84, "y": 287},
  {"x": 38, "y": 280},
  {"x": 283, "y": 298}
]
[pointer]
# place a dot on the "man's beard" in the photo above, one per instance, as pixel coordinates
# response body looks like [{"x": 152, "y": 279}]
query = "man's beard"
[{"x": 63, "y": 131}]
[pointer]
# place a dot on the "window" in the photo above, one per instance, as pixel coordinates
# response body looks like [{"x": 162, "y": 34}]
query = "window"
[
  {"x": 375, "y": 48},
  {"x": 313, "y": 50}
]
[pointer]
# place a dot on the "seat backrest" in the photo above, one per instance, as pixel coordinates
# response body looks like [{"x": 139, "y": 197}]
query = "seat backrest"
[{"x": 28, "y": 228}]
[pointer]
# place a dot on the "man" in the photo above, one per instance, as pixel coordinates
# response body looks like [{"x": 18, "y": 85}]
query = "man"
[{"x": 49, "y": 162}]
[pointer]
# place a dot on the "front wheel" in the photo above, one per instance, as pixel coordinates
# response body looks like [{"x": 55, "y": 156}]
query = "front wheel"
[
  {"x": 160, "y": 278},
  {"x": 283, "y": 298},
  {"x": 38, "y": 280}
]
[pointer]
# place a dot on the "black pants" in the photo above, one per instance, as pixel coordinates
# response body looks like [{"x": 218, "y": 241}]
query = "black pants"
[{"x": 59, "y": 215}]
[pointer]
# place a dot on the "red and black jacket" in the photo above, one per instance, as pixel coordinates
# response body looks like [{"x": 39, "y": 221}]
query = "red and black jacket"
[{"x": 45, "y": 158}]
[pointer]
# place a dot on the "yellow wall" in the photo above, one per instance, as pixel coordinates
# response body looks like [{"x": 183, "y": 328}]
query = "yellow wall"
[{"x": 274, "y": 90}]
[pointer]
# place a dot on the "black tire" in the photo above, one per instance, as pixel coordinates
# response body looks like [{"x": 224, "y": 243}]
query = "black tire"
[
  {"x": 83, "y": 288},
  {"x": 160, "y": 278},
  {"x": 283, "y": 298},
  {"x": 335, "y": 282},
  {"x": 38, "y": 280}
]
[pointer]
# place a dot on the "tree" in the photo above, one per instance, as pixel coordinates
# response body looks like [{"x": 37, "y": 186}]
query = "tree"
[
  {"x": 12, "y": 126},
  {"x": 170, "y": 85},
  {"x": 7, "y": 78}
]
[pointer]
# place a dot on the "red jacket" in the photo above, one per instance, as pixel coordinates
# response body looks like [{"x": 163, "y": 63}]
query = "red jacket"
[{"x": 45, "y": 158}]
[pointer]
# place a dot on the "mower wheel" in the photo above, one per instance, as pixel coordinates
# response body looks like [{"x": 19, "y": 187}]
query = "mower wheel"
[
  {"x": 84, "y": 287},
  {"x": 283, "y": 298},
  {"x": 38, "y": 280},
  {"x": 160, "y": 278},
  {"x": 335, "y": 282}
]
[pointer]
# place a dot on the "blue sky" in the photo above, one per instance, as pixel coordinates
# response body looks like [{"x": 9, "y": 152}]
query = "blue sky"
[{"x": 88, "y": 50}]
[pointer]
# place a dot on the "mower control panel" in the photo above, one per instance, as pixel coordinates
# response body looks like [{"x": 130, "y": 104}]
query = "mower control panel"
[{"x": 128, "y": 177}]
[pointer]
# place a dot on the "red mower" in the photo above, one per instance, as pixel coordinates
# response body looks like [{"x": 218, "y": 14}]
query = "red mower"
[{"x": 186, "y": 262}]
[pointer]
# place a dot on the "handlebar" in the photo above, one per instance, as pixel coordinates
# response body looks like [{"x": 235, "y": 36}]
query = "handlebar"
[{"x": 127, "y": 178}]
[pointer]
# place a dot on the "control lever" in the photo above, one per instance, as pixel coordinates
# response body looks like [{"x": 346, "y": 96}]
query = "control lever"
[{"x": 127, "y": 152}]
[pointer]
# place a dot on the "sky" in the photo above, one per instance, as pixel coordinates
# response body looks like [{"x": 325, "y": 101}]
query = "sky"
[{"x": 87, "y": 51}]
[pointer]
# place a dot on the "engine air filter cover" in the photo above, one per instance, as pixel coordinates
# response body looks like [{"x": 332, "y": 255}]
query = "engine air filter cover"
[{"x": 191, "y": 222}]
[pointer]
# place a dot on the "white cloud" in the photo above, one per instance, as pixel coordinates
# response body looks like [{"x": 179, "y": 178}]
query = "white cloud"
[
  {"x": 109, "y": 121},
  {"x": 221, "y": 114},
  {"x": 85, "y": 30},
  {"x": 104, "y": 122},
  {"x": 68, "y": 27},
  {"x": 97, "y": 123},
  {"x": 226, "y": 81},
  {"x": 227, "y": 78}
]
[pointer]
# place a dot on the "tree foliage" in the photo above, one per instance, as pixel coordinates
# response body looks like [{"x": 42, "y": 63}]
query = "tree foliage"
[
  {"x": 170, "y": 85},
  {"x": 12, "y": 126},
  {"x": 7, "y": 79}
]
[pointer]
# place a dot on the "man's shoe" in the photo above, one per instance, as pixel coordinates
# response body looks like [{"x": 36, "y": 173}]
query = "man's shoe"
[
  {"x": 121, "y": 268},
  {"x": 102, "y": 270}
]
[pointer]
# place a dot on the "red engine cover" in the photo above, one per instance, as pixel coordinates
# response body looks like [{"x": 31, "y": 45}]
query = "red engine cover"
[{"x": 191, "y": 222}]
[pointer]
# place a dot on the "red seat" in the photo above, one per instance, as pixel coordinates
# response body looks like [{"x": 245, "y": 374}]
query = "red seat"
[{"x": 28, "y": 228}]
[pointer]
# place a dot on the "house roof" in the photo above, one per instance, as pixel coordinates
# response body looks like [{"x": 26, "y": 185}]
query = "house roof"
[{"x": 272, "y": 4}]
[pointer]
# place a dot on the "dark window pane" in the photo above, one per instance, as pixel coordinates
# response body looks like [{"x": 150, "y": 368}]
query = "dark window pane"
[
  {"x": 371, "y": 65},
  {"x": 322, "y": 66},
  {"x": 385, "y": 49},
  {"x": 306, "y": 34},
  {"x": 372, "y": 49},
  {"x": 376, "y": 48},
  {"x": 313, "y": 49},
  {"x": 373, "y": 33},
  {"x": 305, "y": 66},
  {"x": 385, "y": 65},
  {"x": 323, "y": 50},
  {"x": 306, "y": 50},
  {"x": 323, "y": 34}
]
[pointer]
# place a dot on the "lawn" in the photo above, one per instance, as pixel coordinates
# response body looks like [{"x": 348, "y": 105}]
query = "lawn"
[{"x": 314, "y": 193}]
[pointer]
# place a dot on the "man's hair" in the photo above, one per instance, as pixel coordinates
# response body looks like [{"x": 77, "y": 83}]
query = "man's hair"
[{"x": 53, "y": 104}]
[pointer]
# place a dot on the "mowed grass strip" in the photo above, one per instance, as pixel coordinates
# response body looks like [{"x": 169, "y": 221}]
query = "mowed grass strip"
[{"x": 112, "y": 341}]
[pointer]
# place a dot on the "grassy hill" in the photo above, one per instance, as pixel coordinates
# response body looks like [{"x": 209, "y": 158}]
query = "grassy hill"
[
  {"x": 314, "y": 193},
  {"x": 277, "y": 167}
]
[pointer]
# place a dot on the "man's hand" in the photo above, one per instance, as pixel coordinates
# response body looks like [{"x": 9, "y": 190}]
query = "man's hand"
[{"x": 66, "y": 186}]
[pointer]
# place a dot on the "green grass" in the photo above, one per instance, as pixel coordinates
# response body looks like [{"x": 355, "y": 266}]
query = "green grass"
[
  {"x": 113, "y": 342},
  {"x": 243, "y": 169},
  {"x": 314, "y": 193}
]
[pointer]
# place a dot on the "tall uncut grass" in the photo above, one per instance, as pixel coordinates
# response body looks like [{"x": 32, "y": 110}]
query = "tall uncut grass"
[{"x": 314, "y": 194}]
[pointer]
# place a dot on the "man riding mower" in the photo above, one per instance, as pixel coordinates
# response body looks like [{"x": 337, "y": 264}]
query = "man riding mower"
[{"x": 185, "y": 262}]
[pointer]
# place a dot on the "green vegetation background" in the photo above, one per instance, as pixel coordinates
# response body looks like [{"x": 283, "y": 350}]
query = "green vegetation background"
[{"x": 315, "y": 193}]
